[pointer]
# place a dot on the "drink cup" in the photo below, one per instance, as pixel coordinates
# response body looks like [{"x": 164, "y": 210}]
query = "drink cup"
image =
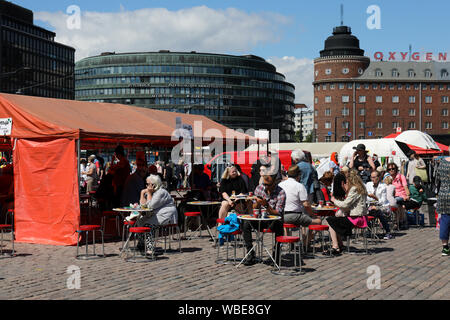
[{"x": 320, "y": 203}]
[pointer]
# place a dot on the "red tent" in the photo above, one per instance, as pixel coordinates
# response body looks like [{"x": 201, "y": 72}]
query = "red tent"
[{"x": 46, "y": 135}]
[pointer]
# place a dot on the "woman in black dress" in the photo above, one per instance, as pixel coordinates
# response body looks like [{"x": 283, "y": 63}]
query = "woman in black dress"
[{"x": 231, "y": 184}]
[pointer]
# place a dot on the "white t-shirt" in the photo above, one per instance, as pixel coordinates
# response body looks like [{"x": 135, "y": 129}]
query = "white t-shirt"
[
  {"x": 380, "y": 192},
  {"x": 295, "y": 195}
]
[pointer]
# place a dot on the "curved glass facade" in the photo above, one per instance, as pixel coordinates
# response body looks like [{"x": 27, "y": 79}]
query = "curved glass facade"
[{"x": 241, "y": 92}]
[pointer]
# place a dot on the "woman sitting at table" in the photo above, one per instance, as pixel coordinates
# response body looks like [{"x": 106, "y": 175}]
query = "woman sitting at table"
[
  {"x": 352, "y": 209},
  {"x": 232, "y": 184}
]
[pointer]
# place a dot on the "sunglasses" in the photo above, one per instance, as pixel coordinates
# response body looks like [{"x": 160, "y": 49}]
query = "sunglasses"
[{"x": 392, "y": 169}]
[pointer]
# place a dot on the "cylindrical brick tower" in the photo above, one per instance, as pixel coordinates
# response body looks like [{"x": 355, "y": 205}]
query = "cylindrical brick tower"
[{"x": 340, "y": 62}]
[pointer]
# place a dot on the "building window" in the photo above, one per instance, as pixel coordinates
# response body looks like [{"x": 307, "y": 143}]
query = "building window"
[
  {"x": 428, "y": 125},
  {"x": 316, "y": 113},
  {"x": 345, "y": 124},
  {"x": 361, "y": 137},
  {"x": 327, "y": 71},
  {"x": 379, "y": 99},
  {"x": 444, "y": 112},
  {"x": 395, "y": 125},
  {"x": 444, "y": 125},
  {"x": 416, "y": 87},
  {"x": 411, "y": 125},
  {"x": 332, "y": 86},
  {"x": 444, "y": 73},
  {"x": 408, "y": 87},
  {"x": 391, "y": 86},
  {"x": 362, "y": 112},
  {"x": 327, "y": 99},
  {"x": 357, "y": 86},
  {"x": 345, "y": 111},
  {"x": 378, "y": 73},
  {"x": 345, "y": 99},
  {"x": 383, "y": 86},
  {"x": 428, "y": 99},
  {"x": 395, "y": 99},
  {"x": 395, "y": 112},
  {"x": 362, "y": 99},
  {"x": 379, "y": 125},
  {"x": 395, "y": 73},
  {"x": 327, "y": 139},
  {"x": 341, "y": 86},
  {"x": 444, "y": 99},
  {"x": 412, "y": 112},
  {"x": 366, "y": 86},
  {"x": 328, "y": 112},
  {"x": 424, "y": 86},
  {"x": 345, "y": 70},
  {"x": 379, "y": 112},
  {"x": 428, "y": 112},
  {"x": 324, "y": 87},
  {"x": 374, "y": 86},
  {"x": 362, "y": 125},
  {"x": 411, "y": 73},
  {"x": 412, "y": 99},
  {"x": 349, "y": 85},
  {"x": 328, "y": 125},
  {"x": 345, "y": 139},
  {"x": 428, "y": 73},
  {"x": 316, "y": 100}
]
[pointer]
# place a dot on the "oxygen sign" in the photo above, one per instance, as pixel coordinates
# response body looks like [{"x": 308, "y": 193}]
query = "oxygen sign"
[
  {"x": 406, "y": 56},
  {"x": 5, "y": 126}
]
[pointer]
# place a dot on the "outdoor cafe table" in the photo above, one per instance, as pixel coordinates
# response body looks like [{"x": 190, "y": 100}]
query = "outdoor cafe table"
[
  {"x": 322, "y": 212},
  {"x": 259, "y": 245},
  {"x": 123, "y": 212},
  {"x": 209, "y": 209}
]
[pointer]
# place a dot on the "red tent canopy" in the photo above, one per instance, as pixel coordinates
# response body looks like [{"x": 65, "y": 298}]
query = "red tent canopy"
[{"x": 44, "y": 135}]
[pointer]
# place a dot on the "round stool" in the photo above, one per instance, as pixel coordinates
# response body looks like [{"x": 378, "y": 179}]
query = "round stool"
[
  {"x": 358, "y": 230},
  {"x": 319, "y": 228},
  {"x": 235, "y": 235},
  {"x": 197, "y": 214},
  {"x": 87, "y": 255},
  {"x": 133, "y": 232},
  {"x": 268, "y": 230},
  {"x": 372, "y": 223},
  {"x": 290, "y": 226},
  {"x": 125, "y": 229},
  {"x": 282, "y": 240},
  {"x": 3, "y": 228}
]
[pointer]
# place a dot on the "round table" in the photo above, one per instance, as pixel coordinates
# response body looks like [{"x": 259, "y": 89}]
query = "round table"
[
  {"x": 258, "y": 241},
  {"x": 324, "y": 211},
  {"x": 209, "y": 208}
]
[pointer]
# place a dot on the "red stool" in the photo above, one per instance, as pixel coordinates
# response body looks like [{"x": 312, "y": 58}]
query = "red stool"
[
  {"x": 86, "y": 229},
  {"x": 110, "y": 215},
  {"x": 197, "y": 214},
  {"x": 3, "y": 228},
  {"x": 319, "y": 228},
  {"x": 235, "y": 234},
  {"x": 133, "y": 232},
  {"x": 282, "y": 240},
  {"x": 125, "y": 229},
  {"x": 372, "y": 223}
]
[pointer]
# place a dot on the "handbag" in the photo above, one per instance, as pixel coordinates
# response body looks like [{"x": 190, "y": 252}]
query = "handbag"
[{"x": 422, "y": 173}]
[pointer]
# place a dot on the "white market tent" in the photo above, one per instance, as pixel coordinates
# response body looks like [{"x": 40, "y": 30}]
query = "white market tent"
[
  {"x": 387, "y": 147},
  {"x": 417, "y": 138}
]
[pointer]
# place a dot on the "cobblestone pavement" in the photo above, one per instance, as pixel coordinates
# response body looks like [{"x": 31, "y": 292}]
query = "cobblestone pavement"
[{"x": 411, "y": 267}]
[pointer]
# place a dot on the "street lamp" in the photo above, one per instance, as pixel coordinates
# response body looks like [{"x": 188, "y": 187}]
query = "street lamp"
[{"x": 335, "y": 127}]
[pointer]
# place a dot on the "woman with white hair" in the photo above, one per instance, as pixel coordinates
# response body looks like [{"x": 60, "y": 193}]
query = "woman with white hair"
[{"x": 159, "y": 201}]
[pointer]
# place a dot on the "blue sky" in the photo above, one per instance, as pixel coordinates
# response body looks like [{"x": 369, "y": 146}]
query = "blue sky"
[{"x": 288, "y": 33}]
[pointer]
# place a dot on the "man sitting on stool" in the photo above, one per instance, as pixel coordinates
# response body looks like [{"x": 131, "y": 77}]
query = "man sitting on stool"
[{"x": 273, "y": 198}]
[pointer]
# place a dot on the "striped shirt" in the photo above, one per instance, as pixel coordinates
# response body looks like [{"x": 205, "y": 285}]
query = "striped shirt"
[{"x": 277, "y": 199}]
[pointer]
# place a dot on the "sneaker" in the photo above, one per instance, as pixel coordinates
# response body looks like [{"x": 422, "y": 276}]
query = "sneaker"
[
  {"x": 445, "y": 251},
  {"x": 388, "y": 236}
]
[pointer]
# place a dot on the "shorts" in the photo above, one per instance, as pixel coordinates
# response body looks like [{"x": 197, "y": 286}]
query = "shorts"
[
  {"x": 299, "y": 219},
  {"x": 444, "y": 227}
]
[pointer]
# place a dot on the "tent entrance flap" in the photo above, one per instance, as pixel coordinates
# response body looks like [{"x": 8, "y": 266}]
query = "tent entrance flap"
[{"x": 47, "y": 209}]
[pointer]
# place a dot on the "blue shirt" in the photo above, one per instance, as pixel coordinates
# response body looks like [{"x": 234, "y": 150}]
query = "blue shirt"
[{"x": 307, "y": 175}]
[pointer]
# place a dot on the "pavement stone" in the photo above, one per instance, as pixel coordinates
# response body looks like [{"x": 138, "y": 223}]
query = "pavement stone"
[{"x": 411, "y": 268}]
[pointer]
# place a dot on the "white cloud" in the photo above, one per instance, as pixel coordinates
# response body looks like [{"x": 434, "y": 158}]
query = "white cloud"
[
  {"x": 152, "y": 29},
  {"x": 299, "y": 72}
]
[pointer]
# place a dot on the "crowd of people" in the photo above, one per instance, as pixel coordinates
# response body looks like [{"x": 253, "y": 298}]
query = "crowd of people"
[{"x": 360, "y": 187}]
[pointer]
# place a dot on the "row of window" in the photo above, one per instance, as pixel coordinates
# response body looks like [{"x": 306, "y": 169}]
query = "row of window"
[
  {"x": 379, "y": 99},
  {"x": 394, "y": 72},
  {"x": 379, "y": 112},
  {"x": 379, "y": 125},
  {"x": 182, "y": 91},
  {"x": 27, "y": 28},
  {"x": 375, "y": 86},
  {"x": 182, "y": 70},
  {"x": 182, "y": 80}
]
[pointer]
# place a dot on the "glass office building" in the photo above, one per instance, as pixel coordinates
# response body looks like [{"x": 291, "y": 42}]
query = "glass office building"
[
  {"x": 31, "y": 62},
  {"x": 241, "y": 92}
]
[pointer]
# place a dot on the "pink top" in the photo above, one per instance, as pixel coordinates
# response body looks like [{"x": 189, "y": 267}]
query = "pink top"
[
  {"x": 359, "y": 222},
  {"x": 400, "y": 184}
]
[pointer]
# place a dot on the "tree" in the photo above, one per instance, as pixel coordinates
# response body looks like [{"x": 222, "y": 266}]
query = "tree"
[{"x": 308, "y": 138}]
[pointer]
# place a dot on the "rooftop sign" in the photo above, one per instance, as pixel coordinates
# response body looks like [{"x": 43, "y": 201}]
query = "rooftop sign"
[{"x": 406, "y": 56}]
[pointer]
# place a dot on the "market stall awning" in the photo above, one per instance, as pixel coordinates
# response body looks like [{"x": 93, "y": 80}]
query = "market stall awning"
[{"x": 36, "y": 117}]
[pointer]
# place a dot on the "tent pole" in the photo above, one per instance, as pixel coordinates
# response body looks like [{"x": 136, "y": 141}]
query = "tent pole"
[{"x": 78, "y": 161}]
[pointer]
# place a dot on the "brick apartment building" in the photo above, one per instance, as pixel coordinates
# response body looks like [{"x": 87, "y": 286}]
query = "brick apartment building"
[{"x": 356, "y": 98}]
